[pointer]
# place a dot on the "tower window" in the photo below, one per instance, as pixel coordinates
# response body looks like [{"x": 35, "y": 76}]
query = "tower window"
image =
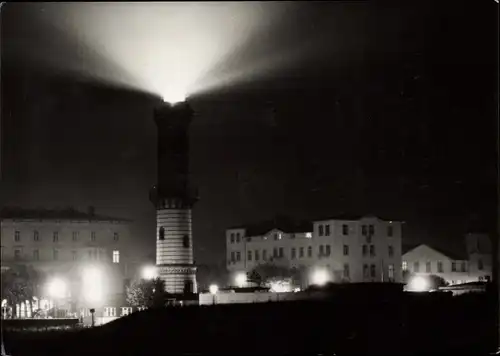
[
  {"x": 161, "y": 233},
  {"x": 185, "y": 241}
]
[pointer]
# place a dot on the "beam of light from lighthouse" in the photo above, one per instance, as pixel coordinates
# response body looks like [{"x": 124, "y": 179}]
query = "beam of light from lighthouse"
[{"x": 172, "y": 50}]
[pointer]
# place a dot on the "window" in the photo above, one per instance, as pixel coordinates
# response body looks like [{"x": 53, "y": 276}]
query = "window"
[
  {"x": 480, "y": 265},
  {"x": 453, "y": 266},
  {"x": 368, "y": 239},
  {"x": 391, "y": 272},
  {"x": 36, "y": 236},
  {"x": 365, "y": 270},
  {"x": 428, "y": 267},
  {"x": 301, "y": 252},
  {"x": 93, "y": 236},
  {"x": 391, "y": 251},
  {"x": 17, "y": 236},
  {"x": 232, "y": 237},
  {"x": 293, "y": 252},
  {"x": 275, "y": 236},
  {"x": 292, "y": 236},
  {"x": 161, "y": 233},
  {"x": 257, "y": 257},
  {"x": 275, "y": 252},
  {"x": 440, "y": 267},
  {"x": 464, "y": 267},
  {"x": 55, "y": 254},
  {"x": 185, "y": 241},
  {"x": 116, "y": 237},
  {"x": 238, "y": 256},
  {"x": 365, "y": 250},
  {"x": 346, "y": 250},
  {"x": 264, "y": 255},
  {"x": 110, "y": 311},
  {"x": 327, "y": 230},
  {"x": 371, "y": 230},
  {"x": 363, "y": 230},
  {"x": 372, "y": 250},
  {"x": 17, "y": 254},
  {"x": 346, "y": 270},
  {"x": 281, "y": 252},
  {"x": 238, "y": 237},
  {"x": 309, "y": 251},
  {"x": 232, "y": 256},
  {"x": 390, "y": 231},
  {"x": 321, "y": 250},
  {"x": 36, "y": 255},
  {"x": 116, "y": 256},
  {"x": 404, "y": 266},
  {"x": 74, "y": 255},
  {"x": 126, "y": 311},
  {"x": 372, "y": 271},
  {"x": 249, "y": 255},
  {"x": 345, "y": 230},
  {"x": 416, "y": 266},
  {"x": 55, "y": 236},
  {"x": 74, "y": 235},
  {"x": 320, "y": 230}
]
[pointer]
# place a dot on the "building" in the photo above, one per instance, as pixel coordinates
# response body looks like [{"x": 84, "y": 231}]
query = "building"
[
  {"x": 82, "y": 257},
  {"x": 173, "y": 199},
  {"x": 424, "y": 260},
  {"x": 479, "y": 253},
  {"x": 348, "y": 249}
]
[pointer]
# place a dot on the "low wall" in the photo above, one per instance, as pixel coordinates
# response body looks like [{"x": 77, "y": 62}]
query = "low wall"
[{"x": 38, "y": 324}]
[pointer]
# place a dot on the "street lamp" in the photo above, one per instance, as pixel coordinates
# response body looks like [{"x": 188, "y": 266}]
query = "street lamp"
[
  {"x": 149, "y": 272},
  {"x": 241, "y": 279},
  {"x": 320, "y": 277},
  {"x": 56, "y": 290},
  {"x": 214, "y": 288},
  {"x": 419, "y": 284}
]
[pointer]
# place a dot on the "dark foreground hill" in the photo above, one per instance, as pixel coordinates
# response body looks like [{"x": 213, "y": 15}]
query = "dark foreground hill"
[{"x": 405, "y": 325}]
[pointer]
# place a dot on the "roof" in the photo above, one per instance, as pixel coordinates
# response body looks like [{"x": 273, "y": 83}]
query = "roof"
[
  {"x": 353, "y": 217},
  {"x": 284, "y": 224},
  {"x": 453, "y": 255},
  {"x": 54, "y": 214}
]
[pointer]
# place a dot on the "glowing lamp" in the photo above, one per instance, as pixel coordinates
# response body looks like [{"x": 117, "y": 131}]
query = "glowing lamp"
[
  {"x": 241, "y": 279},
  {"x": 149, "y": 272},
  {"x": 92, "y": 284},
  {"x": 174, "y": 96},
  {"x": 214, "y": 288},
  {"x": 419, "y": 284},
  {"x": 320, "y": 277},
  {"x": 57, "y": 288}
]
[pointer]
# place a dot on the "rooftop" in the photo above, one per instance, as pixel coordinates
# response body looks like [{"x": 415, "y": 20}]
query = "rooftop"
[
  {"x": 54, "y": 214},
  {"x": 284, "y": 224}
]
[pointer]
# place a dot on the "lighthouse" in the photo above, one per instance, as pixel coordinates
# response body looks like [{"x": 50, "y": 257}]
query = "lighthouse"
[{"x": 173, "y": 199}]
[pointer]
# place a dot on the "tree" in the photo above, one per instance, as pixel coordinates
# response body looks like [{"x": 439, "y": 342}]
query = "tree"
[
  {"x": 20, "y": 284},
  {"x": 271, "y": 273},
  {"x": 147, "y": 293}
]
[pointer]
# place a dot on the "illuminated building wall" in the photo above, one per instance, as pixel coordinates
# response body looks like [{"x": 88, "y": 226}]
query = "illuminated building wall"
[{"x": 350, "y": 249}]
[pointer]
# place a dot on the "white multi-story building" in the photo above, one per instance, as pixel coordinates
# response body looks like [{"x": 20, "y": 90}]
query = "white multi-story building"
[
  {"x": 424, "y": 260},
  {"x": 64, "y": 245},
  {"x": 479, "y": 252},
  {"x": 350, "y": 249}
]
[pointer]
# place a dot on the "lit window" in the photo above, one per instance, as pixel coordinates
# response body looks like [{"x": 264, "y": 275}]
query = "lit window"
[
  {"x": 36, "y": 255},
  {"x": 116, "y": 237},
  {"x": 55, "y": 236},
  {"x": 309, "y": 235},
  {"x": 116, "y": 256},
  {"x": 110, "y": 311},
  {"x": 74, "y": 235},
  {"x": 92, "y": 236},
  {"x": 17, "y": 236},
  {"x": 36, "y": 236},
  {"x": 405, "y": 265},
  {"x": 346, "y": 250},
  {"x": 126, "y": 311}
]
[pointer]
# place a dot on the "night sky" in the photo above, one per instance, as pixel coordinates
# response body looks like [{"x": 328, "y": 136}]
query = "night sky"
[{"x": 394, "y": 115}]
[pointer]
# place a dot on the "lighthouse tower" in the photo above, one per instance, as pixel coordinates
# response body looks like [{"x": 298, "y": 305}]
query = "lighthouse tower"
[{"x": 174, "y": 199}]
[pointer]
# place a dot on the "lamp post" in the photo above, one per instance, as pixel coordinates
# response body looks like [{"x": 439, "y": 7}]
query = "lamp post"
[{"x": 214, "y": 288}]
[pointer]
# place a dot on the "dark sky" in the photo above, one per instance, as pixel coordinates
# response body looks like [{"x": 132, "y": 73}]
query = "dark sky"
[{"x": 393, "y": 116}]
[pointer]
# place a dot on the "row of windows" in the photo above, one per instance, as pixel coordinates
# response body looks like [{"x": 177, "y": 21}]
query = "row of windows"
[
  {"x": 55, "y": 236},
  {"x": 92, "y": 255},
  {"x": 366, "y": 230},
  {"x": 185, "y": 238},
  {"x": 440, "y": 269},
  {"x": 324, "y": 251}
]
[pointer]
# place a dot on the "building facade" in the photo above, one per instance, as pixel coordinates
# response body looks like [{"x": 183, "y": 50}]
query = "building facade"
[
  {"x": 85, "y": 254},
  {"x": 479, "y": 253},
  {"x": 424, "y": 260},
  {"x": 348, "y": 249}
]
